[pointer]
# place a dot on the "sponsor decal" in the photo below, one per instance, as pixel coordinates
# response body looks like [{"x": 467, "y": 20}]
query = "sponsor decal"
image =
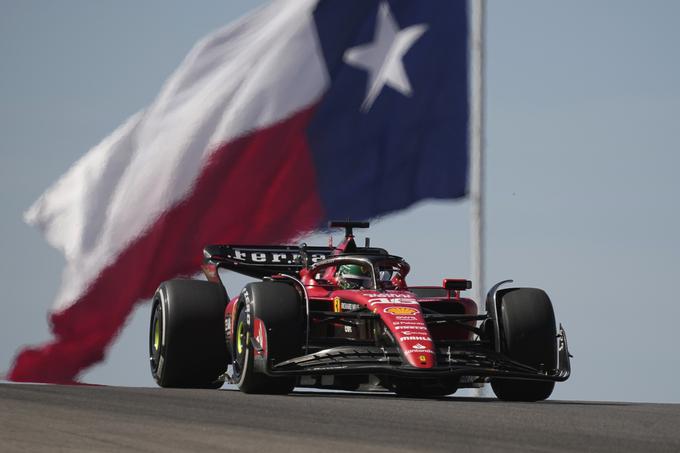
[
  {"x": 408, "y": 332},
  {"x": 408, "y": 318},
  {"x": 418, "y": 346},
  {"x": 316, "y": 257},
  {"x": 419, "y": 351},
  {"x": 272, "y": 257},
  {"x": 401, "y": 311},
  {"x": 227, "y": 327},
  {"x": 416, "y": 338},
  {"x": 339, "y": 305},
  {"x": 393, "y": 301},
  {"x": 409, "y": 326},
  {"x": 247, "y": 307}
]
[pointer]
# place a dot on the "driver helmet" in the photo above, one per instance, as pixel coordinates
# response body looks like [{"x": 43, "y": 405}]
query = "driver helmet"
[{"x": 353, "y": 276}]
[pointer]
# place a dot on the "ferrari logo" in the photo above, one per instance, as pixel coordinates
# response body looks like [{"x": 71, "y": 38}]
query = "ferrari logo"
[
  {"x": 422, "y": 358},
  {"x": 336, "y": 305}
]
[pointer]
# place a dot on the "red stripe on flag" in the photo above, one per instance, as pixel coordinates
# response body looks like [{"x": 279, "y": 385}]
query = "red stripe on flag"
[{"x": 258, "y": 189}]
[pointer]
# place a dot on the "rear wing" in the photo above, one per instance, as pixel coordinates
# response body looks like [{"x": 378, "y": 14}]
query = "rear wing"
[{"x": 261, "y": 261}]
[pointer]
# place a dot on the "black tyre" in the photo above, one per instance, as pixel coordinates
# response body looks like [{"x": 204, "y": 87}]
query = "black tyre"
[
  {"x": 528, "y": 335},
  {"x": 187, "y": 345},
  {"x": 279, "y": 307}
]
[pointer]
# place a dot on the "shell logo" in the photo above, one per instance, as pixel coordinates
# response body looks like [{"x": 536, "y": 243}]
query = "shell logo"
[{"x": 401, "y": 311}]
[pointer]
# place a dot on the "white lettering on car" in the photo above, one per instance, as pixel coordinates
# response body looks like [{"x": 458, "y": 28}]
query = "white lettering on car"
[
  {"x": 392, "y": 301},
  {"x": 227, "y": 327},
  {"x": 259, "y": 257},
  {"x": 265, "y": 256},
  {"x": 276, "y": 257},
  {"x": 317, "y": 257},
  {"x": 410, "y": 336}
]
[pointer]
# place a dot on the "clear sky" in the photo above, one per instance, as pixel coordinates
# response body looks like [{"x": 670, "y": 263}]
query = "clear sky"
[{"x": 582, "y": 188}]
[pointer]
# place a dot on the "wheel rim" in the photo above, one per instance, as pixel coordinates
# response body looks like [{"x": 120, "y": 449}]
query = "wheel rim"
[
  {"x": 239, "y": 338},
  {"x": 242, "y": 338},
  {"x": 155, "y": 337}
]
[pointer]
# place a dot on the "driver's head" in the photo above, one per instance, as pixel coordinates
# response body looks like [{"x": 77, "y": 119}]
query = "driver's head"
[{"x": 353, "y": 276}]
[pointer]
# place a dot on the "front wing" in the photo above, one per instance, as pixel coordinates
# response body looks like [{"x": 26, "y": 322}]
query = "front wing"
[{"x": 471, "y": 360}]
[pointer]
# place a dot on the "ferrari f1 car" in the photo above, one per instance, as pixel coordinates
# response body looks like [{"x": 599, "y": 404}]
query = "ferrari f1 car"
[{"x": 345, "y": 318}]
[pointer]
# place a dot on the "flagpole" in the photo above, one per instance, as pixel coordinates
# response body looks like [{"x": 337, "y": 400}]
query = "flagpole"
[{"x": 477, "y": 154}]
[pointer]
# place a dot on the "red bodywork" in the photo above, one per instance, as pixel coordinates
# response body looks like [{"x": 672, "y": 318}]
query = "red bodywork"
[{"x": 400, "y": 309}]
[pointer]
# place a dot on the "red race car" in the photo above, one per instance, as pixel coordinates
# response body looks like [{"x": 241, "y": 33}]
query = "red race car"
[{"x": 345, "y": 318}]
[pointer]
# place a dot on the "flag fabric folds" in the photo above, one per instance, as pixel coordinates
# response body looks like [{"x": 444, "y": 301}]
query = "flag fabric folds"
[{"x": 302, "y": 111}]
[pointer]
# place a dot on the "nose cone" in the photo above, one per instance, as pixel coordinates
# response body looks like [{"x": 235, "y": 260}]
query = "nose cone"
[{"x": 401, "y": 314}]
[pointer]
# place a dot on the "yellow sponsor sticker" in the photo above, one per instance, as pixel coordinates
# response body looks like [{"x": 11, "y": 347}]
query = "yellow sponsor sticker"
[
  {"x": 336, "y": 305},
  {"x": 401, "y": 311}
]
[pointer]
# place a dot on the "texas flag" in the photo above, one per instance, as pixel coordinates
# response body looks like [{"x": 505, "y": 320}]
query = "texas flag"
[{"x": 303, "y": 111}]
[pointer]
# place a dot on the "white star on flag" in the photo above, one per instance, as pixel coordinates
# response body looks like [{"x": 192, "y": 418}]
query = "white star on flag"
[{"x": 383, "y": 57}]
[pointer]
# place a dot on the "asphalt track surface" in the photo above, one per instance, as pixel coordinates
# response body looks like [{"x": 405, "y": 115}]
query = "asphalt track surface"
[{"x": 89, "y": 418}]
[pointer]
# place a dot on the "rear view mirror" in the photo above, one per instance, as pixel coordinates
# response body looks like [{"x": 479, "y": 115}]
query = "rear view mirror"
[{"x": 457, "y": 284}]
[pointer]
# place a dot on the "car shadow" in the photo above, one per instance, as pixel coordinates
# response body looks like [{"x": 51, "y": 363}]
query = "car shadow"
[{"x": 322, "y": 393}]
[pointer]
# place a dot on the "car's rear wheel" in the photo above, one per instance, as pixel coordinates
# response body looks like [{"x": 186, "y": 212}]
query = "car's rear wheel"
[
  {"x": 187, "y": 346},
  {"x": 278, "y": 307},
  {"x": 528, "y": 336}
]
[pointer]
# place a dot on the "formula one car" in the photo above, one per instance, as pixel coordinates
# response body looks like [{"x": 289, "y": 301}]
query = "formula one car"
[{"x": 345, "y": 318}]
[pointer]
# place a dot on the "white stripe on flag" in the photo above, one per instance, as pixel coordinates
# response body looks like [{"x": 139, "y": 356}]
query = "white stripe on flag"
[{"x": 251, "y": 74}]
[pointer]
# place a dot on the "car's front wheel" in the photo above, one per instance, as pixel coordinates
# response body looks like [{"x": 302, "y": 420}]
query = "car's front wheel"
[
  {"x": 528, "y": 335},
  {"x": 278, "y": 308}
]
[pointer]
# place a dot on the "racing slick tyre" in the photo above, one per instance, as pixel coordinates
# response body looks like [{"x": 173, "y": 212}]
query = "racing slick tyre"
[
  {"x": 528, "y": 335},
  {"x": 278, "y": 307},
  {"x": 187, "y": 345}
]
